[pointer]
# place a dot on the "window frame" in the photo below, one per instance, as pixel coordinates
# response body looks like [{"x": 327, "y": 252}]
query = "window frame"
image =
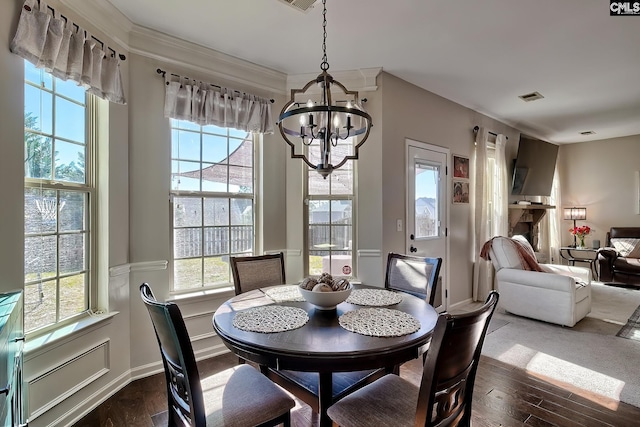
[
  {"x": 307, "y": 198},
  {"x": 202, "y": 195},
  {"x": 88, "y": 188}
]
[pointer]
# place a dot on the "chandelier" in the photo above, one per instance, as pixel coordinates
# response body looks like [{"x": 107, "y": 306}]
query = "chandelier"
[{"x": 322, "y": 114}]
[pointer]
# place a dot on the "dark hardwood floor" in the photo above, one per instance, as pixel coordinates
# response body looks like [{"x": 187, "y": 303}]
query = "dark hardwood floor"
[{"x": 503, "y": 396}]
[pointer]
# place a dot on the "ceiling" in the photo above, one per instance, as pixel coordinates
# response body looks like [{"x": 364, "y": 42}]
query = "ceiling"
[{"x": 482, "y": 55}]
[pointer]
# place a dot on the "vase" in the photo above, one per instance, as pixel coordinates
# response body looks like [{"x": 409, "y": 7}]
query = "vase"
[{"x": 581, "y": 244}]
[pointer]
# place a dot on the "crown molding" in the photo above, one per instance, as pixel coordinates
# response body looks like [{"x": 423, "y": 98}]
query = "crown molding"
[
  {"x": 362, "y": 80},
  {"x": 104, "y": 17},
  {"x": 156, "y": 45},
  {"x": 107, "y": 19}
]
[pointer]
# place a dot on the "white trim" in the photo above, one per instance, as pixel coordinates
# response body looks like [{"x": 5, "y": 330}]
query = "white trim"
[
  {"x": 369, "y": 253},
  {"x": 155, "y": 45},
  {"x": 205, "y": 336},
  {"x": 38, "y": 345},
  {"x": 362, "y": 80},
  {"x": 292, "y": 252},
  {"x": 104, "y": 17},
  {"x": 460, "y": 304},
  {"x": 95, "y": 399},
  {"x": 119, "y": 270},
  {"x": 196, "y": 315},
  {"x": 127, "y": 377},
  {"x": 123, "y": 269},
  {"x": 446, "y": 267},
  {"x": 105, "y": 345},
  {"x": 149, "y": 265}
]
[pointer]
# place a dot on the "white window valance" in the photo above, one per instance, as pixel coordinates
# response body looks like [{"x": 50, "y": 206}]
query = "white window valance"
[
  {"x": 67, "y": 51},
  {"x": 209, "y": 104}
]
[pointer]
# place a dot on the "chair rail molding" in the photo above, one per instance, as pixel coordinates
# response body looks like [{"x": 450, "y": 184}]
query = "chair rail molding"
[{"x": 138, "y": 266}]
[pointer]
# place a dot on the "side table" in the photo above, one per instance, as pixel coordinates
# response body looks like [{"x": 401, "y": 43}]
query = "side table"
[{"x": 586, "y": 255}]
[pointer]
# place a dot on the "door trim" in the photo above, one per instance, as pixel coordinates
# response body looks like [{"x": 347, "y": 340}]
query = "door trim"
[{"x": 447, "y": 189}]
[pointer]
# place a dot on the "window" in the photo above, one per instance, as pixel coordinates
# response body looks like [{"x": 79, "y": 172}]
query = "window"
[
  {"x": 330, "y": 205},
  {"x": 58, "y": 200},
  {"x": 427, "y": 208},
  {"x": 212, "y": 202}
]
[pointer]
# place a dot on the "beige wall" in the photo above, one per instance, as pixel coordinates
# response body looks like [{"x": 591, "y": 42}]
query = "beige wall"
[
  {"x": 411, "y": 112},
  {"x": 600, "y": 175}
]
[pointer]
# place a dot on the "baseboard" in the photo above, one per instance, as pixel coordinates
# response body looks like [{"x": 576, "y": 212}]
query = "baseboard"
[
  {"x": 460, "y": 304},
  {"x": 93, "y": 401}
]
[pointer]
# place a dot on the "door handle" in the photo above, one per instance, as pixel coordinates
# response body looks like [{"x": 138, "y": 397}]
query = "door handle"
[
  {"x": 412, "y": 249},
  {"x": 412, "y": 237}
]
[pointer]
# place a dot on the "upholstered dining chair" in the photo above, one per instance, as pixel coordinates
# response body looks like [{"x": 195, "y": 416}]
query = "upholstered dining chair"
[
  {"x": 254, "y": 272},
  {"x": 239, "y": 396},
  {"x": 412, "y": 274},
  {"x": 446, "y": 389}
]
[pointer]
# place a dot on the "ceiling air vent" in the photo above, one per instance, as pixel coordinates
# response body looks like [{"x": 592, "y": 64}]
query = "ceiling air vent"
[
  {"x": 302, "y": 5},
  {"x": 588, "y": 132},
  {"x": 531, "y": 96}
]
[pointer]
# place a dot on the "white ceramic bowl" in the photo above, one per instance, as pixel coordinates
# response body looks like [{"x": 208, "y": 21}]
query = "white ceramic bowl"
[{"x": 325, "y": 300}]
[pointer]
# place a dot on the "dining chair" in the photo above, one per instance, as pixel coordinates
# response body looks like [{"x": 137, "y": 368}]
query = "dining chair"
[
  {"x": 415, "y": 275},
  {"x": 446, "y": 389},
  {"x": 239, "y": 396},
  {"x": 254, "y": 272}
]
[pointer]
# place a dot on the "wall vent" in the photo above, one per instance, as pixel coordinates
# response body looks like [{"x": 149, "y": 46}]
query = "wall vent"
[
  {"x": 587, "y": 132},
  {"x": 531, "y": 96},
  {"x": 301, "y": 5}
]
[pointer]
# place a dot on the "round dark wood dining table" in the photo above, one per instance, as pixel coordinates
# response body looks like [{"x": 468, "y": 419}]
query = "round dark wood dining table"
[{"x": 322, "y": 345}]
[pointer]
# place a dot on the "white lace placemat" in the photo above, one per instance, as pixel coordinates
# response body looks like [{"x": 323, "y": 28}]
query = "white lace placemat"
[
  {"x": 374, "y": 297},
  {"x": 270, "y": 318},
  {"x": 379, "y": 322},
  {"x": 284, "y": 293}
]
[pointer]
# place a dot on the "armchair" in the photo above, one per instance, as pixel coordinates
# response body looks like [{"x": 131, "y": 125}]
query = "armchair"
[
  {"x": 558, "y": 294},
  {"x": 619, "y": 261}
]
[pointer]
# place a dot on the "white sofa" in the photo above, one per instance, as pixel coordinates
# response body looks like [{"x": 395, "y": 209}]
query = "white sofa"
[{"x": 560, "y": 294}]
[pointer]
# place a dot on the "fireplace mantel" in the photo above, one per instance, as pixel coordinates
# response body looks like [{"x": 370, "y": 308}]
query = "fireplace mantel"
[{"x": 524, "y": 219}]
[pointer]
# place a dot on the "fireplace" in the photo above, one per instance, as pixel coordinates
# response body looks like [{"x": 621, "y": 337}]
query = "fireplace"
[{"x": 524, "y": 220}]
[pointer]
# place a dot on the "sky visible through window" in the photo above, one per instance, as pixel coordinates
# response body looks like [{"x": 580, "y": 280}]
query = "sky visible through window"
[
  {"x": 426, "y": 183},
  {"x": 39, "y": 104},
  {"x": 190, "y": 156}
]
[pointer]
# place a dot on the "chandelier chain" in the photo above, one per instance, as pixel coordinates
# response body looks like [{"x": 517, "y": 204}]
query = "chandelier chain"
[{"x": 324, "y": 66}]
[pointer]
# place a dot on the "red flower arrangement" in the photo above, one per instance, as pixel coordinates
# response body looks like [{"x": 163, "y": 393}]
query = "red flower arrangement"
[{"x": 580, "y": 233}]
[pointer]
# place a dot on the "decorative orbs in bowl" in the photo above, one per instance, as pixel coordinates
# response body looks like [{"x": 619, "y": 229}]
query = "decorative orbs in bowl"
[{"x": 325, "y": 293}]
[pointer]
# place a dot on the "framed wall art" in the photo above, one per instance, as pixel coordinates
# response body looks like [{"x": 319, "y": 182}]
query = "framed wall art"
[
  {"x": 460, "y": 191},
  {"x": 460, "y": 167}
]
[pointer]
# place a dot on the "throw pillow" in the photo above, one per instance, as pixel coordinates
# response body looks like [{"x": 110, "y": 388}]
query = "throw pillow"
[{"x": 627, "y": 247}]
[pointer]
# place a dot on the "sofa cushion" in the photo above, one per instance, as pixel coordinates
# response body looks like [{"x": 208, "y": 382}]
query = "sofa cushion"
[{"x": 627, "y": 246}]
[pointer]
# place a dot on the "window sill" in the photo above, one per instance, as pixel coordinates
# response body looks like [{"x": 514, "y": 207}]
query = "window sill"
[{"x": 45, "y": 342}]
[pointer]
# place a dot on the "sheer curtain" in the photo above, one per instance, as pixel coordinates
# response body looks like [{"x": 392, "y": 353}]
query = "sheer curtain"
[
  {"x": 67, "y": 51},
  {"x": 208, "y": 104},
  {"x": 490, "y": 205},
  {"x": 551, "y": 229}
]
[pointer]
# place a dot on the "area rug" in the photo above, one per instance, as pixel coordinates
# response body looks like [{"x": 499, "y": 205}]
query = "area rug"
[
  {"x": 632, "y": 328},
  {"x": 587, "y": 359}
]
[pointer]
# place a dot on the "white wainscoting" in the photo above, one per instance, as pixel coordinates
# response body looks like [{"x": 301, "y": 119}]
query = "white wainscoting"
[
  {"x": 67, "y": 378},
  {"x": 371, "y": 267}
]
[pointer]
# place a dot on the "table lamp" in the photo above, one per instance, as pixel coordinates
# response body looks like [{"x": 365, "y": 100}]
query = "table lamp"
[{"x": 575, "y": 214}]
